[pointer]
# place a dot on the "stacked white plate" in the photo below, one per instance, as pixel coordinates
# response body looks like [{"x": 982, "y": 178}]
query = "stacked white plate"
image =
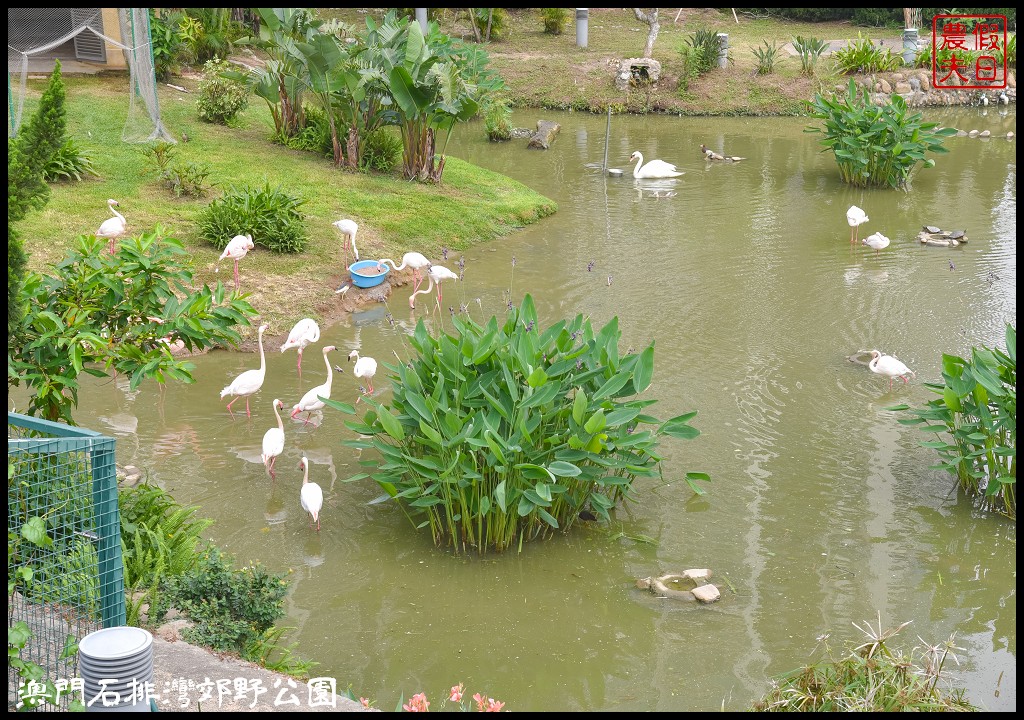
[{"x": 123, "y": 658}]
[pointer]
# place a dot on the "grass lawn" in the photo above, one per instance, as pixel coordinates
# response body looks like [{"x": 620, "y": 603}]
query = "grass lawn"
[{"x": 472, "y": 205}]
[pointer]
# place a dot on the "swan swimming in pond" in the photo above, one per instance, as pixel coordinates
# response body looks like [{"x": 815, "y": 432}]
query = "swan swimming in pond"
[{"x": 653, "y": 169}]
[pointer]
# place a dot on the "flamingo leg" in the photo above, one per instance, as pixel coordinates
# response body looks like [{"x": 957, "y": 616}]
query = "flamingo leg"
[
  {"x": 230, "y": 404},
  {"x": 318, "y": 524},
  {"x": 247, "y": 413},
  {"x": 300, "y": 361},
  {"x": 236, "y": 274}
]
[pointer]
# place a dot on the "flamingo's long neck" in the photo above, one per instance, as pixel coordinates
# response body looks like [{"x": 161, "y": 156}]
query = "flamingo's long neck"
[
  {"x": 330, "y": 373},
  {"x": 116, "y": 213},
  {"x": 263, "y": 360},
  {"x": 280, "y": 422},
  {"x": 427, "y": 289},
  {"x": 305, "y": 473}
]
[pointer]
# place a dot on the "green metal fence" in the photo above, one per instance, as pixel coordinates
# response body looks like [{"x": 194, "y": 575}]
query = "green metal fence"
[{"x": 62, "y": 479}]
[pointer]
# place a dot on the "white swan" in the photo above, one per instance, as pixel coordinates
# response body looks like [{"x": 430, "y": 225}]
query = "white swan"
[{"x": 653, "y": 169}]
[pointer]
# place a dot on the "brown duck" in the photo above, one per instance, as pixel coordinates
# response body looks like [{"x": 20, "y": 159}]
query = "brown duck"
[{"x": 712, "y": 155}]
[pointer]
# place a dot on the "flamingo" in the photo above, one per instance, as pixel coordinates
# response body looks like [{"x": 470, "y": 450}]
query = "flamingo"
[
  {"x": 306, "y": 331},
  {"x": 249, "y": 382},
  {"x": 365, "y": 367},
  {"x": 348, "y": 228},
  {"x": 273, "y": 440},
  {"x": 855, "y": 217},
  {"x": 878, "y": 241},
  {"x": 436, "y": 273},
  {"x": 414, "y": 260},
  {"x": 236, "y": 249},
  {"x": 114, "y": 227},
  {"x": 310, "y": 401},
  {"x": 653, "y": 169},
  {"x": 311, "y": 497},
  {"x": 889, "y": 366}
]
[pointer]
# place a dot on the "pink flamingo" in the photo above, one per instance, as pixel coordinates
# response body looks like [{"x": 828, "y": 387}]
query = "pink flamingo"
[
  {"x": 348, "y": 228},
  {"x": 889, "y": 366},
  {"x": 436, "y": 273},
  {"x": 414, "y": 260},
  {"x": 306, "y": 331},
  {"x": 236, "y": 249},
  {"x": 311, "y": 497},
  {"x": 855, "y": 217},
  {"x": 365, "y": 367},
  {"x": 273, "y": 440},
  {"x": 113, "y": 228},
  {"x": 310, "y": 401},
  {"x": 249, "y": 382}
]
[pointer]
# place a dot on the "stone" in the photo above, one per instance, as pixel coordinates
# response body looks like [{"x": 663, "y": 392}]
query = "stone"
[
  {"x": 883, "y": 86},
  {"x": 972, "y": 133},
  {"x": 695, "y": 574},
  {"x": 637, "y": 71},
  {"x": 904, "y": 88},
  {"x": 129, "y": 476},
  {"x": 706, "y": 593},
  {"x": 1011, "y": 81},
  {"x": 985, "y": 133},
  {"x": 915, "y": 84},
  {"x": 1009, "y": 136}
]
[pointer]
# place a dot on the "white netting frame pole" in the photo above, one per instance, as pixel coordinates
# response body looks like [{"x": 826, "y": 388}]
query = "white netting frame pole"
[{"x": 135, "y": 30}]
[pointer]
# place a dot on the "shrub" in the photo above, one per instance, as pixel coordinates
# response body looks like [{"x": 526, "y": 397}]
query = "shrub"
[
  {"x": 699, "y": 54},
  {"x": 220, "y": 99},
  {"x": 863, "y": 56},
  {"x": 166, "y": 44},
  {"x": 69, "y": 162},
  {"x": 809, "y": 49},
  {"x": 555, "y": 20},
  {"x": 273, "y": 218},
  {"x": 500, "y": 434},
  {"x": 875, "y": 146},
  {"x": 498, "y": 120},
  {"x": 975, "y": 421},
  {"x": 315, "y": 135},
  {"x": 381, "y": 150},
  {"x": 767, "y": 57},
  {"x": 873, "y": 677},
  {"x": 189, "y": 179}
]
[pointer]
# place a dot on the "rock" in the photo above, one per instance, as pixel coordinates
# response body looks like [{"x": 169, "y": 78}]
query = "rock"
[
  {"x": 904, "y": 88},
  {"x": 706, "y": 593},
  {"x": 972, "y": 133},
  {"x": 961, "y": 133},
  {"x": 702, "y": 574},
  {"x": 883, "y": 86},
  {"x": 1009, "y": 136},
  {"x": 985, "y": 133},
  {"x": 637, "y": 71},
  {"x": 1011, "y": 81},
  {"x": 129, "y": 476},
  {"x": 171, "y": 631},
  {"x": 545, "y": 135},
  {"x": 914, "y": 84}
]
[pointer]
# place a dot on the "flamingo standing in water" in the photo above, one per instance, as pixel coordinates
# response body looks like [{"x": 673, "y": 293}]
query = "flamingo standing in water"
[
  {"x": 348, "y": 228},
  {"x": 855, "y": 217},
  {"x": 249, "y": 382},
  {"x": 889, "y": 366},
  {"x": 273, "y": 440},
  {"x": 310, "y": 401},
  {"x": 114, "y": 227},
  {"x": 878, "y": 241},
  {"x": 306, "y": 331},
  {"x": 365, "y": 367},
  {"x": 236, "y": 249},
  {"x": 436, "y": 273},
  {"x": 311, "y": 496},
  {"x": 414, "y": 260}
]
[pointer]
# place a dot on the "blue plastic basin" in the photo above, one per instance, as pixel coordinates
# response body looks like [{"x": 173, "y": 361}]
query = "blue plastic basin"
[{"x": 364, "y": 280}]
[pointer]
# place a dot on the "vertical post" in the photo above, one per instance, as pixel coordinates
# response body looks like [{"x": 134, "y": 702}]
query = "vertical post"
[
  {"x": 581, "y": 27},
  {"x": 909, "y": 46},
  {"x": 421, "y": 18},
  {"x": 723, "y": 49},
  {"x": 607, "y": 136},
  {"x": 108, "y": 531}
]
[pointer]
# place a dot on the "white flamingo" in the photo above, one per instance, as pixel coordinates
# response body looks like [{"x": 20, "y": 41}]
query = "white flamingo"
[
  {"x": 855, "y": 217},
  {"x": 114, "y": 227},
  {"x": 311, "y": 496},
  {"x": 365, "y": 367},
  {"x": 273, "y": 440},
  {"x": 877, "y": 240},
  {"x": 348, "y": 228},
  {"x": 889, "y": 366},
  {"x": 414, "y": 260},
  {"x": 249, "y": 382},
  {"x": 436, "y": 273},
  {"x": 306, "y": 331},
  {"x": 653, "y": 169},
  {"x": 310, "y": 401},
  {"x": 236, "y": 249}
]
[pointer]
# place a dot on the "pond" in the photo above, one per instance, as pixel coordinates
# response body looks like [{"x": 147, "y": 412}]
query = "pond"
[{"x": 822, "y": 511}]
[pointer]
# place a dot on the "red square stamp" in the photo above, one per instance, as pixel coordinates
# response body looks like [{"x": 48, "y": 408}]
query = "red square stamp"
[{"x": 969, "y": 52}]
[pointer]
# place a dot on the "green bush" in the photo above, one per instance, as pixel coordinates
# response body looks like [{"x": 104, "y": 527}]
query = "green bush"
[
  {"x": 809, "y": 49},
  {"x": 70, "y": 162},
  {"x": 189, "y": 179},
  {"x": 501, "y": 434},
  {"x": 975, "y": 421},
  {"x": 863, "y": 56},
  {"x": 699, "y": 54},
  {"x": 875, "y": 145},
  {"x": 878, "y": 17},
  {"x": 498, "y": 120},
  {"x": 231, "y": 609},
  {"x": 315, "y": 135},
  {"x": 273, "y": 218},
  {"x": 166, "y": 43},
  {"x": 767, "y": 56},
  {"x": 381, "y": 150},
  {"x": 220, "y": 99},
  {"x": 872, "y": 677},
  {"x": 555, "y": 20}
]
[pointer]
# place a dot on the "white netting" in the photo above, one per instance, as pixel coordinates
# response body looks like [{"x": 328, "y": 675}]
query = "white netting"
[{"x": 34, "y": 32}]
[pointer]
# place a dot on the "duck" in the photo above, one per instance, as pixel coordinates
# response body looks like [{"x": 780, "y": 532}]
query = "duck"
[
  {"x": 712, "y": 155},
  {"x": 653, "y": 169}
]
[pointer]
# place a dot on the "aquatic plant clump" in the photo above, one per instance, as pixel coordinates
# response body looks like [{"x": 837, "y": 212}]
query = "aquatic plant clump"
[{"x": 499, "y": 434}]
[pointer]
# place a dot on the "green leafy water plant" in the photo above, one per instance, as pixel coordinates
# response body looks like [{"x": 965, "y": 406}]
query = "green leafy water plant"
[
  {"x": 503, "y": 433},
  {"x": 863, "y": 56},
  {"x": 875, "y": 145},
  {"x": 809, "y": 49},
  {"x": 975, "y": 421}
]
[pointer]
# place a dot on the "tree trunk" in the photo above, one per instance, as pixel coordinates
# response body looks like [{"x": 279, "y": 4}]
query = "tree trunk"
[
  {"x": 651, "y": 19},
  {"x": 353, "y": 148},
  {"x": 545, "y": 135},
  {"x": 490, "y": 16},
  {"x": 472, "y": 21}
]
